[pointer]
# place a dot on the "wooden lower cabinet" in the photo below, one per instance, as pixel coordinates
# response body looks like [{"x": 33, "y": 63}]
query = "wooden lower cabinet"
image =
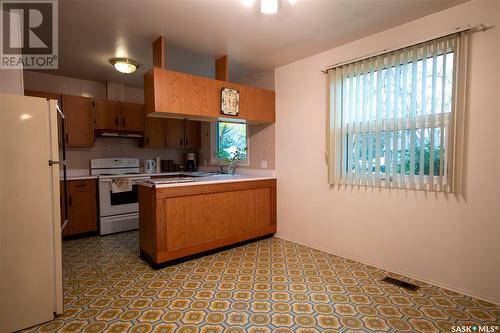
[
  {"x": 82, "y": 207},
  {"x": 180, "y": 221}
]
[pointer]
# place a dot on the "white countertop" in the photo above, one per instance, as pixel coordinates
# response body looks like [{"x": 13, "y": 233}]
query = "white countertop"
[
  {"x": 242, "y": 175},
  {"x": 214, "y": 179},
  {"x": 80, "y": 177},
  {"x": 77, "y": 174}
]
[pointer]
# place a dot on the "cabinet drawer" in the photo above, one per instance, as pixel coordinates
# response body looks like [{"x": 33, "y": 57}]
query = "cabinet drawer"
[{"x": 81, "y": 185}]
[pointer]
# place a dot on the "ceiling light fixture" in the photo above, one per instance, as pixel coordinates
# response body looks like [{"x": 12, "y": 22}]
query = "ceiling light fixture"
[
  {"x": 124, "y": 65},
  {"x": 247, "y": 3},
  {"x": 268, "y": 6}
]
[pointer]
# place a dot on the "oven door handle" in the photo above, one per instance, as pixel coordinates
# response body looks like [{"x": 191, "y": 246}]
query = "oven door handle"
[{"x": 134, "y": 180}]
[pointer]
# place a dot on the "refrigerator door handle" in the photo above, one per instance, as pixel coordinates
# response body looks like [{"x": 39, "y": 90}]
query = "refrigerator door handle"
[
  {"x": 59, "y": 111},
  {"x": 52, "y": 162}
]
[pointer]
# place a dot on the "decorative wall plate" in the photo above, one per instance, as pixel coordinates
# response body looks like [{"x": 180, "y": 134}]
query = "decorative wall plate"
[{"x": 230, "y": 102}]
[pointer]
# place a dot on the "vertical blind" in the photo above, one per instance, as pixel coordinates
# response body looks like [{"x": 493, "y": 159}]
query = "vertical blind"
[{"x": 396, "y": 120}]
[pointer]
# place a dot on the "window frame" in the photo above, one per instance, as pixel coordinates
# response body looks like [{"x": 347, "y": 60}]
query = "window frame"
[
  {"x": 338, "y": 156},
  {"x": 214, "y": 159}
]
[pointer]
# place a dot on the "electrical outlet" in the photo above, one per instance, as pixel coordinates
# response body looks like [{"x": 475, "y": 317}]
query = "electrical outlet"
[{"x": 263, "y": 164}]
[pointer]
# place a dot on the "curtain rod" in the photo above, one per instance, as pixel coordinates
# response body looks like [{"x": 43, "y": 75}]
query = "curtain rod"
[{"x": 468, "y": 27}]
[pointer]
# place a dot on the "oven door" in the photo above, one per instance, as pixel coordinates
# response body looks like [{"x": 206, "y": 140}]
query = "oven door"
[{"x": 118, "y": 203}]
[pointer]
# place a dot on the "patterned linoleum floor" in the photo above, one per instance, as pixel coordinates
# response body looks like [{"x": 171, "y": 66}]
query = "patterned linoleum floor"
[{"x": 267, "y": 286}]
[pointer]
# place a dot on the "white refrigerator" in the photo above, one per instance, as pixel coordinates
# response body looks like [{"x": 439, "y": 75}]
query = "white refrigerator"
[{"x": 30, "y": 228}]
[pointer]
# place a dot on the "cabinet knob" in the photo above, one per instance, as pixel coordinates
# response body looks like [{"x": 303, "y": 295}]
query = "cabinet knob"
[
  {"x": 123, "y": 122},
  {"x": 116, "y": 121},
  {"x": 181, "y": 142},
  {"x": 67, "y": 138},
  {"x": 70, "y": 201}
]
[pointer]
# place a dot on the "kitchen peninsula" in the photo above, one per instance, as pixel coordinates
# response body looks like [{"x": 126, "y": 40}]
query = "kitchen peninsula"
[{"x": 192, "y": 216}]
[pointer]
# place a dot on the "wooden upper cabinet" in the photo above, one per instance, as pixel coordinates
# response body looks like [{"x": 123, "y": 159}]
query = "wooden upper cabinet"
[
  {"x": 107, "y": 115},
  {"x": 132, "y": 117},
  {"x": 192, "y": 134},
  {"x": 202, "y": 101},
  {"x": 175, "y": 133},
  {"x": 119, "y": 116},
  {"x": 263, "y": 107},
  {"x": 42, "y": 94},
  {"x": 154, "y": 132},
  {"x": 183, "y": 134},
  {"x": 179, "y": 94},
  {"x": 79, "y": 121}
]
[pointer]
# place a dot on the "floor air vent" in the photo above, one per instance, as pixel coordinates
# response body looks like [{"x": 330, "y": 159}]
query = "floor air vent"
[{"x": 400, "y": 283}]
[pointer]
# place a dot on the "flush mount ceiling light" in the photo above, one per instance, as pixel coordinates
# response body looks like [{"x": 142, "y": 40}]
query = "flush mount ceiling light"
[
  {"x": 267, "y": 6},
  {"x": 124, "y": 65}
]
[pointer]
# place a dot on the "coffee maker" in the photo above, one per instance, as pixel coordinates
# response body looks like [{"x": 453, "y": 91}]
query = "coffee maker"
[{"x": 191, "y": 162}]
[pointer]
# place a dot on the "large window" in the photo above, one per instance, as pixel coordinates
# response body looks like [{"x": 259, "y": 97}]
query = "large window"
[
  {"x": 396, "y": 119},
  {"x": 231, "y": 138}
]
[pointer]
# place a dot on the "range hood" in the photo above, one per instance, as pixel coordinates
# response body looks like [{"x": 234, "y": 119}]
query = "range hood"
[{"x": 120, "y": 135}]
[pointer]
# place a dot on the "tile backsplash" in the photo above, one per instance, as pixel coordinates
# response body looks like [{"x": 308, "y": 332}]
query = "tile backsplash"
[{"x": 79, "y": 158}]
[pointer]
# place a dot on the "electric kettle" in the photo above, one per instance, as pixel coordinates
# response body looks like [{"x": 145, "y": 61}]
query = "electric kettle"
[{"x": 149, "y": 166}]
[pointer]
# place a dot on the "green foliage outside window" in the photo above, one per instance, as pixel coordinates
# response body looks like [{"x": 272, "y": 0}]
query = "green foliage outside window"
[{"x": 231, "y": 141}]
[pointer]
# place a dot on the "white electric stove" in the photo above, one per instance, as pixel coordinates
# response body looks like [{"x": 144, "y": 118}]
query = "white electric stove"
[{"x": 117, "y": 211}]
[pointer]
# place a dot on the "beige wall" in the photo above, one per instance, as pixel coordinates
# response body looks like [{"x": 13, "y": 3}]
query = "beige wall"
[
  {"x": 445, "y": 240},
  {"x": 261, "y": 137}
]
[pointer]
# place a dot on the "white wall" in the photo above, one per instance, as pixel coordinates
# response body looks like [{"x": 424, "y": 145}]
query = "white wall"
[{"x": 445, "y": 240}]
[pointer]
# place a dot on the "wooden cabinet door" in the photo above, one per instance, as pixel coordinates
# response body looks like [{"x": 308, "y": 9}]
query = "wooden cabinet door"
[
  {"x": 154, "y": 132},
  {"x": 247, "y": 101},
  {"x": 132, "y": 117},
  {"x": 178, "y": 93},
  {"x": 201, "y": 101},
  {"x": 79, "y": 121},
  {"x": 82, "y": 207},
  {"x": 192, "y": 134},
  {"x": 263, "y": 108},
  {"x": 82, "y": 212},
  {"x": 107, "y": 115},
  {"x": 175, "y": 133}
]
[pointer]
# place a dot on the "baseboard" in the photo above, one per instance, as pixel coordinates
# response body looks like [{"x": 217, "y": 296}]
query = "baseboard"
[{"x": 389, "y": 269}]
